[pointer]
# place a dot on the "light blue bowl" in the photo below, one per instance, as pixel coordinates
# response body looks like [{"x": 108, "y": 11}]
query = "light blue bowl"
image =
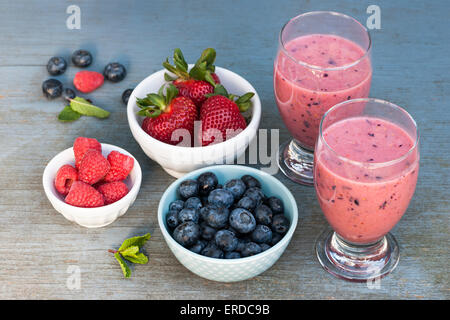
[{"x": 229, "y": 270}]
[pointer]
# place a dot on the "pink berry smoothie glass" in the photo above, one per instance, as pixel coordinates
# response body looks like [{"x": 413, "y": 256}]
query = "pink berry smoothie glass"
[
  {"x": 323, "y": 58},
  {"x": 366, "y": 164}
]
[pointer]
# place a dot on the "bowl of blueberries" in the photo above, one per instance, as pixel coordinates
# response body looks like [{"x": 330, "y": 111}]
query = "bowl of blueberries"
[{"x": 227, "y": 222}]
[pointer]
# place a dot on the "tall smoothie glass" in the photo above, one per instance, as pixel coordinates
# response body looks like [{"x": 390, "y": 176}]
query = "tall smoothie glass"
[
  {"x": 366, "y": 164},
  {"x": 323, "y": 58}
]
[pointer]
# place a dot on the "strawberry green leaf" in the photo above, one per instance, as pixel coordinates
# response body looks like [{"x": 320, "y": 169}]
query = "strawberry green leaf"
[
  {"x": 123, "y": 265},
  {"x": 68, "y": 115},
  {"x": 178, "y": 60},
  {"x": 169, "y": 78},
  {"x": 208, "y": 57},
  {"x": 86, "y": 108}
]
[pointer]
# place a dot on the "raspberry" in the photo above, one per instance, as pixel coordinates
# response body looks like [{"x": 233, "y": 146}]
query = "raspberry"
[
  {"x": 65, "y": 176},
  {"x": 83, "y": 195},
  {"x": 87, "y": 81},
  {"x": 113, "y": 191},
  {"x": 121, "y": 166},
  {"x": 93, "y": 167},
  {"x": 81, "y": 145}
]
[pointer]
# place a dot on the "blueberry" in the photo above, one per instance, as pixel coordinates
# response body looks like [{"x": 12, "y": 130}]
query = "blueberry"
[
  {"x": 198, "y": 246},
  {"x": 56, "y": 66},
  {"x": 265, "y": 246},
  {"x": 242, "y": 220},
  {"x": 241, "y": 243},
  {"x": 212, "y": 251},
  {"x": 276, "y": 237},
  {"x": 262, "y": 234},
  {"x": 232, "y": 255},
  {"x": 172, "y": 218},
  {"x": 207, "y": 232},
  {"x": 187, "y": 233},
  {"x": 256, "y": 194},
  {"x": 176, "y": 205},
  {"x": 207, "y": 182},
  {"x": 250, "y": 181},
  {"x": 219, "y": 186},
  {"x": 226, "y": 240},
  {"x": 115, "y": 72},
  {"x": 275, "y": 204},
  {"x": 52, "y": 88},
  {"x": 216, "y": 217},
  {"x": 193, "y": 202},
  {"x": 188, "y": 188},
  {"x": 280, "y": 223},
  {"x": 221, "y": 198},
  {"x": 246, "y": 203},
  {"x": 126, "y": 95},
  {"x": 236, "y": 187},
  {"x": 82, "y": 58},
  {"x": 250, "y": 249},
  {"x": 263, "y": 214},
  {"x": 68, "y": 94},
  {"x": 188, "y": 214}
]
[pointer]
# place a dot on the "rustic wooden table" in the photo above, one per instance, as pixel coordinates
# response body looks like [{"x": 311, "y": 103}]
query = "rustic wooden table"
[{"x": 38, "y": 245}]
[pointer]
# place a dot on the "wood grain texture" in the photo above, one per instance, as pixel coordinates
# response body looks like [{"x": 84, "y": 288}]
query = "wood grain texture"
[{"x": 410, "y": 60}]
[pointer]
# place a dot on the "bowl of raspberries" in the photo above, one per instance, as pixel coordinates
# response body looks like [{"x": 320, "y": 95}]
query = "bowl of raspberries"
[
  {"x": 188, "y": 116},
  {"x": 227, "y": 222},
  {"x": 92, "y": 183}
]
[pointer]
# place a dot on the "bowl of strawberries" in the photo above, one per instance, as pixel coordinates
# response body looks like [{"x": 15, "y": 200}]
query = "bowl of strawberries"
[
  {"x": 92, "y": 183},
  {"x": 189, "y": 116}
]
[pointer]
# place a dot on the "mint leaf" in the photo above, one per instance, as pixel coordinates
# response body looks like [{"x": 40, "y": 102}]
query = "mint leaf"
[
  {"x": 86, "y": 108},
  {"x": 68, "y": 114},
  {"x": 131, "y": 250},
  {"x": 135, "y": 241},
  {"x": 123, "y": 265},
  {"x": 137, "y": 258}
]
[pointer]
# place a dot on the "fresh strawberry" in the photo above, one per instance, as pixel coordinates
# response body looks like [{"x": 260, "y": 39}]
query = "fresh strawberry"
[
  {"x": 199, "y": 81},
  {"x": 113, "y": 191},
  {"x": 166, "y": 114},
  {"x": 121, "y": 166},
  {"x": 65, "y": 177},
  {"x": 93, "y": 167},
  {"x": 83, "y": 195},
  {"x": 221, "y": 116},
  {"x": 88, "y": 81},
  {"x": 81, "y": 145}
]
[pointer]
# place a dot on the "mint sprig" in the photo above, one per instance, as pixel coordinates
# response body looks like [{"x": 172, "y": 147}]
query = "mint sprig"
[
  {"x": 129, "y": 250},
  {"x": 78, "y": 107}
]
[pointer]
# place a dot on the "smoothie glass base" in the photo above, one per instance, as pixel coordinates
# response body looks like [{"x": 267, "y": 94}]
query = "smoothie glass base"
[
  {"x": 296, "y": 162},
  {"x": 354, "y": 262}
]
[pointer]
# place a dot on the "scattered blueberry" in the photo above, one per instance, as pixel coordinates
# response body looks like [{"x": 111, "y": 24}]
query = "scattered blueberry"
[
  {"x": 221, "y": 198},
  {"x": 216, "y": 217},
  {"x": 188, "y": 214},
  {"x": 207, "y": 232},
  {"x": 263, "y": 214},
  {"x": 262, "y": 234},
  {"x": 115, "y": 72},
  {"x": 255, "y": 193},
  {"x": 56, "y": 66},
  {"x": 212, "y": 251},
  {"x": 280, "y": 223},
  {"x": 187, "y": 233},
  {"x": 198, "y": 246},
  {"x": 236, "y": 187},
  {"x": 207, "y": 182},
  {"x": 246, "y": 203},
  {"x": 126, "y": 95},
  {"x": 276, "y": 205},
  {"x": 82, "y": 58},
  {"x": 188, "y": 188},
  {"x": 68, "y": 94},
  {"x": 226, "y": 240},
  {"x": 250, "y": 181},
  {"x": 172, "y": 218},
  {"x": 193, "y": 202},
  {"x": 52, "y": 88},
  {"x": 250, "y": 249},
  {"x": 176, "y": 205},
  {"x": 242, "y": 220},
  {"x": 232, "y": 255}
]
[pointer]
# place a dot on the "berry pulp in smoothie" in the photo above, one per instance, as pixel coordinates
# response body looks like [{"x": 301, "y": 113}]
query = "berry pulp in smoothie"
[
  {"x": 304, "y": 93},
  {"x": 366, "y": 190}
]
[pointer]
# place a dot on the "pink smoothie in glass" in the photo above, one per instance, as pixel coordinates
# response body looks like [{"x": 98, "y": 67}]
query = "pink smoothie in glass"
[
  {"x": 304, "y": 94},
  {"x": 364, "y": 201}
]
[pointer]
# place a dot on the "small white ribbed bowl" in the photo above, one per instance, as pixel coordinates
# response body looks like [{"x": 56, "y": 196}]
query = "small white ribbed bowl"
[
  {"x": 230, "y": 270},
  {"x": 90, "y": 217},
  {"x": 177, "y": 160}
]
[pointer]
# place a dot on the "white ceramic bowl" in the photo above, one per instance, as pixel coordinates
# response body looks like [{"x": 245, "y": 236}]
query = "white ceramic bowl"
[
  {"x": 231, "y": 270},
  {"x": 177, "y": 160},
  {"x": 90, "y": 217}
]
